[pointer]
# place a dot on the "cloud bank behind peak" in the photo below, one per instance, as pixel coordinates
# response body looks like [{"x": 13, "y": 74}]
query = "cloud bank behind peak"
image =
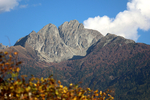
[{"x": 126, "y": 23}]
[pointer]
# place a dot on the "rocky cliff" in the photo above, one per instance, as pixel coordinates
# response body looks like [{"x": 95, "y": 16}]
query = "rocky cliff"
[{"x": 57, "y": 44}]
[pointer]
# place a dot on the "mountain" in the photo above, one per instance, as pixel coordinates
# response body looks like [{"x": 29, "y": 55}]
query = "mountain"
[
  {"x": 2, "y": 46},
  {"x": 117, "y": 65},
  {"x": 99, "y": 62},
  {"x": 56, "y": 45}
]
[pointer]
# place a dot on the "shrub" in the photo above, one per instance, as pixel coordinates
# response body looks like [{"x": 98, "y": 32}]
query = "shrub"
[{"x": 39, "y": 88}]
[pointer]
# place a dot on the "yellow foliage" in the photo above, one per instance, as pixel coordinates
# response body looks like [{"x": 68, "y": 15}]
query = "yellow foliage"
[{"x": 43, "y": 88}]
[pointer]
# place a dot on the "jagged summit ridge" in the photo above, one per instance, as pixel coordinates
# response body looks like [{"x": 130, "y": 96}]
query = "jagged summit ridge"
[
  {"x": 71, "y": 39},
  {"x": 57, "y": 44},
  {"x": 77, "y": 38},
  {"x": 73, "y": 24}
]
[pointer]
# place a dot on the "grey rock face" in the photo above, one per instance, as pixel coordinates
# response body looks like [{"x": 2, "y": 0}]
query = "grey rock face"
[
  {"x": 2, "y": 46},
  {"x": 77, "y": 38},
  {"x": 56, "y": 45},
  {"x": 48, "y": 44},
  {"x": 70, "y": 39},
  {"x": 116, "y": 39}
]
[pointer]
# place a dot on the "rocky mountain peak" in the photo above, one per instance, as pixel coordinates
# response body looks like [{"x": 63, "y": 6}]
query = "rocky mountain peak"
[
  {"x": 77, "y": 37},
  {"x": 73, "y": 24},
  {"x": 119, "y": 38},
  {"x": 48, "y": 29},
  {"x": 2, "y": 46},
  {"x": 33, "y": 32},
  {"x": 55, "y": 45},
  {"x": 71, "y": 39},
  {"x": 112, "y": 38}
]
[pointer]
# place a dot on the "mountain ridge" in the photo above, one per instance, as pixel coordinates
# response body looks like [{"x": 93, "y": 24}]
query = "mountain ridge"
[{"x": 56, "y": 45}]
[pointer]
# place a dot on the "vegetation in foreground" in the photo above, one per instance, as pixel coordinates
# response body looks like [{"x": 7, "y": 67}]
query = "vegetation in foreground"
[{"x": 15, "y": 87}]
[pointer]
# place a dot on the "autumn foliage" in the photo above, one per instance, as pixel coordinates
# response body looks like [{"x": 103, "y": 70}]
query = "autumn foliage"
[{"x": 17, "y": 88}]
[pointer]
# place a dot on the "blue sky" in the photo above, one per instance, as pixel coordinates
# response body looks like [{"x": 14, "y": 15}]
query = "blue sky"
[{"x": 130, "y": 19}]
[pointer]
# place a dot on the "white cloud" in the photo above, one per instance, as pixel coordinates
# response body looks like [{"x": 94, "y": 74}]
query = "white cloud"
[
  {"x": 7, "y": 5},
  {"x": 23, "y": 6},
  {"x": 126, "y": 23}
]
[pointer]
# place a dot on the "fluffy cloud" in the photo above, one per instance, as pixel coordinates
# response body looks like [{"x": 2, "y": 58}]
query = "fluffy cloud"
[
  {"x": 126, "y": 23},
  {"x": 7, "y": 5}
]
